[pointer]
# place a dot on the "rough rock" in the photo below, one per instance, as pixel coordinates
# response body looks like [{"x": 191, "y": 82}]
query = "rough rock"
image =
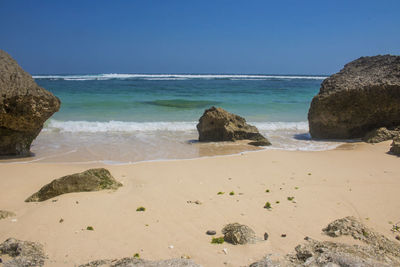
[
  {"x": 130, "y": 262},
  {"x": 236, "y": 233},
  {"x": 5, "y": 214},
  {"x": 90, "y": 180},
  {"x": 24, "y": 107},
  {"x": 22, "y": 253},
  {"x": 395, "y": 146},
  {"x": 363, "y": 96},
  {"x": 377, "y": 250},
  {"x": 217, "y": 124},
  {"x": 380, "y": 135}
]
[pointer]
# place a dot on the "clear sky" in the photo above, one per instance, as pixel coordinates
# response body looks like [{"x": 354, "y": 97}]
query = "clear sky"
[{"x": 248, "y": 36}]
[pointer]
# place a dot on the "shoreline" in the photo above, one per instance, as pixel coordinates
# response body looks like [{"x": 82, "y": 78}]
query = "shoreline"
[{"x": 164, "y": 187}]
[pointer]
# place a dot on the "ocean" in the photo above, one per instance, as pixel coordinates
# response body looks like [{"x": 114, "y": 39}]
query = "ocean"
[{"x": 124, "y": 118}]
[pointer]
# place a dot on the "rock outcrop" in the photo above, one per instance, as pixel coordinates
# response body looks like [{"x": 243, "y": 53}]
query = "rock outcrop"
[
  {"x": 377, "y": 250},
  {"x": 363, "y": 96},
  {"x": 217, "y": 124},
  {"x": 395, "y": 146},
  {"x": 24, "y": 107},
  {"x": 22, "y": 253},
  {"x": 236, "y": 233},
  {"x": 5, "y": 214},
  {"x": 90, "y": 180},
  {"x": 381, "y": 134},
  {"x": 130, "y": 262}
]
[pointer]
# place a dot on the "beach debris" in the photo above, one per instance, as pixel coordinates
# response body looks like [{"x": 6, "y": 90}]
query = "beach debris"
[
  {"x": 90, "y": 180},
  {"x": 398, "y": 237},
  {"x": 225, "y": 250},
  {"x": 54, "y": 200},
  {"x": 236, "y": 233},
  {"x": 90, "y": 228},
  {"x": 267, "y": 205},
  {"x": 217, "y": 240},
  {"x": 197, "y": 202},
  {"x": 186, "y": 257},
  {"x": 5, "y": 214},
  {"x": 232, "y": 193},
  {"x": 170, "y": 246},
  {"x": 211, "y": 232},
  {"x": 23, "y": 253},
  {"x": 267, "y": 191},
  {"x": 349, "y": 103},
  {"x": 61, "y": 220},
  {"x": 220, "y": 193},
  {"x": 217, "y": 124},
  {"x": 266, "y": 236},
  {"x": 14, "y": 220},
  {"x": 283, "y": 235},
  {"x": 277, "y": 202},
  {"x": 136, "y": 255},
  {"x": 24, "y": 107},
  {"x": 141, "y": 209},
  {"x": 290, "y": 198}
]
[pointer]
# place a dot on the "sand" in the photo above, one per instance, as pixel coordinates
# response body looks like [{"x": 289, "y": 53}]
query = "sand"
[{"x": 356, "y": 179}]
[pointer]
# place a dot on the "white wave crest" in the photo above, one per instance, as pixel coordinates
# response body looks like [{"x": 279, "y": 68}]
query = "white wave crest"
[
  {"x": 174, "y": 77},
  {"x": 117, "y": 126},
  {"x": 124, "y": 126}
]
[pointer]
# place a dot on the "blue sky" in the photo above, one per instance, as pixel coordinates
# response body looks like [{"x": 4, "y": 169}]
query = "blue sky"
[{"x": 277, "y": 37}]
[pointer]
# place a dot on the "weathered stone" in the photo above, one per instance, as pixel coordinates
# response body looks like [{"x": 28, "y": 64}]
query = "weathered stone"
[
  {"x": 395, "y": 146},
  {"x": 376, "y": 251},
  {"x": 211, "y": 232},
  {"x": 380, "y": 135},
  {"x": 24, "y": 107},
  {"x": 90, "y": 180},
  {"x": 23, "y": 253},
  {"x": 363, "y": 96},
  {"x": 235, "y": 234},
  {"x": 4, "y": 214},
  {"x": 134, "y": 262},
  {"x": 217, "y": 124}
]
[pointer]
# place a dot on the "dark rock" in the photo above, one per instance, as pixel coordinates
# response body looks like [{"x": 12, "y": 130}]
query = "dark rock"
[
  {"x": 398, "y": 237},
  {"x": 23, "y": 253},
  {"x": 90, "y": 180},
  {"x": 4, "y": 214},
  {"x": 283, "y": 235},
  {"x": 363, "y": 96},
  {"x": 217, "y": 124},
  {"x": 235, "y": 234},
  {"x": 131, "y": 262},
  {"x": 266, "y": 236},
  {"x": 211, "y": 232},
  {"x": 380, "y": 135},
  {"x": 260, "y": 143},
  {"x": 376, "y": 251},
  {"x": 395, "y": 146},
  {"x": 24, "y": 107}
]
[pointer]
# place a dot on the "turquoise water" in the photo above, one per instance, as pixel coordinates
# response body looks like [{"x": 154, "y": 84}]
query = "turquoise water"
[
  {"x": 181, "y": 97},
  {"x": 134, "y": 117}
]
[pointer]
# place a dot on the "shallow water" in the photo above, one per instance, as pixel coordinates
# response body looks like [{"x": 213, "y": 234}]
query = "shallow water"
[{"x": 135, "y": 117}]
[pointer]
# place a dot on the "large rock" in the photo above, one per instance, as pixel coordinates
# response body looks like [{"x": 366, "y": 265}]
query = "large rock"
[
  {"x": 363, "y": 96},
  {"x": 376, "y": 251},
  {"x": 22, "y": 253},
  {"x": 217, "y": 124},
  {"x": 236, "y": 233},
  {"x": 380, "y": 135},
  {"x": 130, "y": 262},
  {"x": 24, "y": 107},
  {"x": 90, "y": 180}
]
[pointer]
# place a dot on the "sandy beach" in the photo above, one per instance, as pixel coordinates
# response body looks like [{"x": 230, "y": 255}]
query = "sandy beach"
[{"x": 355, "y": 179}]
